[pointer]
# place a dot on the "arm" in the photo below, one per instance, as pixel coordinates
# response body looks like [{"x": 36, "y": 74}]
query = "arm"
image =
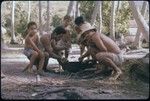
[
  {"x": 55, "y": 56},
  {"x": 98, "y": 42},
  {"x": 38, "y": 41},
  {"x": 84, "y": 55},
  {"x": 33, "y": 44},
  {"x": 58, "y": 48}
]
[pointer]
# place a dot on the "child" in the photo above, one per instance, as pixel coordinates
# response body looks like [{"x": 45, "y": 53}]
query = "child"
[
  {"x": 66, "y": 39},
  {"x": 31, "y": 49}
]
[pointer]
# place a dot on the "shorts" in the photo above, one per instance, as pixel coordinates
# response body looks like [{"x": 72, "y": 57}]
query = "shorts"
[
  {"x": 118, "y": 58},
  {"x": 28, "y": 52}
]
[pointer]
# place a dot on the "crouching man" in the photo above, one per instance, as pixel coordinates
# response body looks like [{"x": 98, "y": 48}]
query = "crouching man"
[
  {"x": 101, "y": 48},
  {"x": 49, "y": 43}
]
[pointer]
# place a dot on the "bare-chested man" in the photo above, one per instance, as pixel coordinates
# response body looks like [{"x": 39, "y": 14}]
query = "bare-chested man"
[
  {"x": 49, "y": 42},
  {"x": 102, "y": 48},
  {"x": 31, "y": 49}
]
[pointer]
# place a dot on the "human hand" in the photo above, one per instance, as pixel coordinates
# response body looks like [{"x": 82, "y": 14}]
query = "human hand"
[
  {"x": 67, "y": 45},
  {"x": 40, "y": 52},
  {"x": 64, "y": 60},
  {"x": 80, "y": 59}
]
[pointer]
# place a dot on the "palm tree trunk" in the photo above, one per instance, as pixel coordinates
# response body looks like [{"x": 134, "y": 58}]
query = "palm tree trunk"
[
  {"x": 70, "y": 8},
  {"x": 77, "y": 9},
  {"x": 112, "y": 21},
  {"x": 48, "y": 16},
  {"x": 138, "y": 34},
  {"x": 13, "y": 38},
  {"x": 95, "y": 12},
  {"x": 40, "y": 18},
  {"x": 29, "y": 10},
  {"x": 142, "y": 25},
  {"x": 100, "y": 17}
]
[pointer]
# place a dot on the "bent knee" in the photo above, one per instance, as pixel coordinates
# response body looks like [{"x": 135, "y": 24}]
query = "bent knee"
[
  {"x": 99, "y": 56},
  {"x": 34, "y": 53},
  {"x": 41, "y": 55},
  {"x": 46, "y": 54}
]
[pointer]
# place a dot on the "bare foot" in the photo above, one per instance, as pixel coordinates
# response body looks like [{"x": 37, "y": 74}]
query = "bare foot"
[
  {"x": 115, "y": 76},
  {"x": 42, "y": 73},
  {"x": 25, "y": 69},
  {"x": 30, "y": 70}
]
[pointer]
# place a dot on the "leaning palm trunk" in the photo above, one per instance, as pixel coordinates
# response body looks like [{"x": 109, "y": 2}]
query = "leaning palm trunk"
[
  {"x": 142, "y": 25},
  {"x": 138, "y": 34}
]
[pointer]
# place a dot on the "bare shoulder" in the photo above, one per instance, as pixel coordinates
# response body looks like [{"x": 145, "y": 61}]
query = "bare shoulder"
[
  {"x": 94, "y": 36},
  {"x": 27, "y": 38}
]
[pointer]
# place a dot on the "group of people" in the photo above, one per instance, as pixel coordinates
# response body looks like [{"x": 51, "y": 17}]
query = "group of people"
[{"x": 102, "y": 48}]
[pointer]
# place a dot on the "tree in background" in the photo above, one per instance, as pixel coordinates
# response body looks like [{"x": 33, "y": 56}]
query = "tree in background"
[
  {"x": 122, "y": 18},
  {"x": 71, "y": 7},
  {"x": 40, "y": 18},
  {"x": 95, "y": 12},
  {"x": 29, "y": 10},
  {"x": 100, "y": 17},
  {"x": 13, "y": 38},
  {"x": 48, "y": 16},
  {"x": 112, "y": 20},
  {"x": 144, "y": 28},
  {"x": 138, "y": 34},
  {"x": 86, "y": 9}
]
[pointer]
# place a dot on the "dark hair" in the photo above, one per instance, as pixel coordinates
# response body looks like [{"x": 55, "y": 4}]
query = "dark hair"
[
  {"x": 59, "y": 30},
  {"x": 67, "y": 17},
  {"x": 79, "y": 20},
  {"x": 31, "y": 24}
]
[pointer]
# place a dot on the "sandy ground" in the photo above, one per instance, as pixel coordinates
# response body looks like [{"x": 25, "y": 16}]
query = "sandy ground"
[{"x": 23, "y": 85}]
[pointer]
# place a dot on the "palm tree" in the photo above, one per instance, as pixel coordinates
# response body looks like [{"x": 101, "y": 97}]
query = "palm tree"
[
  {"x": 100, "y": 17},
  {"x": 70, "y": 8},
  {"x": 112, "y": 20},
  {"x": 48, "y": 16},
  {"x": 3, "y": 31},
  {"x": 13, "y": 38},
  {"x": 40, "y": 18},
  {"x": 29, "y": 10},
  {"x": 95, "y": 12},
  {"x": 77, "y": 13},
  {"x": 138, "y": 34},
  {"x": 142, "y": 25}
]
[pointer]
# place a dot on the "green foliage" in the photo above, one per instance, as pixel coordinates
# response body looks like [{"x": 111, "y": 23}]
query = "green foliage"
[
  {"x": 21, "y": 23},
  {"x": 86, "y": 9},
  {"x": 56, "y": 20},
  {"x": 106, "y": 11},
  {"x": 122, "y": 18}
]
